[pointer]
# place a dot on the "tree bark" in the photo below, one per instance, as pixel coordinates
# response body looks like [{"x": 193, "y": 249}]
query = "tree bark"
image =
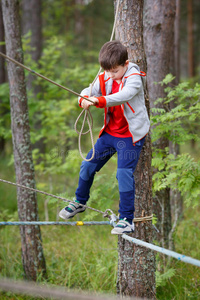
[
  {"x": 177, "y": 43},
  {"x": 190, "y": 34},
  {"x": 32, "y": 22},
  {"x": 136, "y": 267},
  {"x": 159, "y": 42},
  {"x": 2, "y": 71},
  {"x": 176, "y": 200},
  {"x": 32, "y": 252},
  {"x": 2, "y": 49}
]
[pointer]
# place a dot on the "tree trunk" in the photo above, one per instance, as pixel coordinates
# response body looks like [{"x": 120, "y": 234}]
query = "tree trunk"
[
  {"x": 191, "y": 68},
  {"x": 136, "y": 268},
  {"x": 159, "y": 41},
  {"x": 32, "y": 252},
  {"x": 32, "y": 22},
  {"x": 177, "y": 43},
  {"x": 176, "y": 200},
  {"x": 2, "y": 71},
  {"x": 2, "y": 49}
]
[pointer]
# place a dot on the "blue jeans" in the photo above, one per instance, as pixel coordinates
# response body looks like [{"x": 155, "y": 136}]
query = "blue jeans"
[{"x": 128, "y": 156}]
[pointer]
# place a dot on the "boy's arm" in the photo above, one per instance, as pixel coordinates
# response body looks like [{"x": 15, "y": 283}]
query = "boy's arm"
[
  {"x": 132, "y": 87},
  {"x": 95, "y": 91},
  {"x": 86, "y": 104}
]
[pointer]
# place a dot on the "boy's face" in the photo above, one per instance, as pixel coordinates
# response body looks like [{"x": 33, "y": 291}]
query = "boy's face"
[{"x": 118, "y": 72}]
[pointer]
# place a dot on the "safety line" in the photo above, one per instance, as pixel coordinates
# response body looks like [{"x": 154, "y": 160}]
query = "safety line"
[
  {"x": 73, "y": 92},
  {"x": 87, "y": 112},
  {"x": 181, "y": 257},
  {"x": 43, "y": 77},
  {"x": 78, "y": 223},
  {"x": 105, "y": 214}
]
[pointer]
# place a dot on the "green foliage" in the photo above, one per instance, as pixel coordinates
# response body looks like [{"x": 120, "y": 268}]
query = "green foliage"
[
  {"x": 5, "y": 130},
  {"x": 180, "y": 125},
  {"x": 162, "y": 278},
  {"x": 56, "y": 109},
  {"x": 184, "y": 284},
  {"x": 80, "y": 25}
]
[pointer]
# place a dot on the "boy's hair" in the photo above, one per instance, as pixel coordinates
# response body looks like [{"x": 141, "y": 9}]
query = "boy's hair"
[{"x": 112, "y": 54}]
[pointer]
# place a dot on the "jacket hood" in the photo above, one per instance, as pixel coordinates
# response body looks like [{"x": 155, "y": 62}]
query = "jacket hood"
[{"x": 133, "y": 65}]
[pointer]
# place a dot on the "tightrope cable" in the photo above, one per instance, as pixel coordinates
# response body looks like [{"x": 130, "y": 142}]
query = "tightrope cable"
[
  {"x": 181, "y": 257},
  {"x": 78, "y": 223}
]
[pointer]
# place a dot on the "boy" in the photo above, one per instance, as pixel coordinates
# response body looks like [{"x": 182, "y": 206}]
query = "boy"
[{"x": 119, "y": 90}]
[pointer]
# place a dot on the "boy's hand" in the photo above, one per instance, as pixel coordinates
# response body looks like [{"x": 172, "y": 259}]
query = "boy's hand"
[{"x": 86, "y": 104}]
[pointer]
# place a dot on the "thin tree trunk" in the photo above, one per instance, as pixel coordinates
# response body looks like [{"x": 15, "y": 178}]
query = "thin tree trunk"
[
  {"x": 2, "y": 49},
  {"x": 177, "y": 43},
  {"x": 32, "y": 22},
  {"x": 176, "y": 200},
  {"x": 2, "y": 71},
  {"x": 159, "y": 41},
  {"x": 190, "y": 34},
  {"x": 32, "y": 252},
  {"x": 136, "y": 268}
]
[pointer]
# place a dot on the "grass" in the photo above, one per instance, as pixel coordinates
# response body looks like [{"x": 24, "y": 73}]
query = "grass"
[
  {"x": 86, "y": 258},
  {"x": 81, "y": 258},
  {"x": 73, "y": 256},
  {"x": 185, "y": 284}
]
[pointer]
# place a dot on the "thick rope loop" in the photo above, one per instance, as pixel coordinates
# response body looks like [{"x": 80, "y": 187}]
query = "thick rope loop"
[{"x": 88, "y": 117}]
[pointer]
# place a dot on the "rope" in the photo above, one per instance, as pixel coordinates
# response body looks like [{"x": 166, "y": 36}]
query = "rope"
[
  {"x": 87, "y": 111},
  {"x": 69, "y": 90},
  {"x": 108, "y": 213},
  {"x": 43, "y": 77},
  {"x": 142, "y": 219},
  {"x": 90, "y": 124},
  {"x": 78, "y": 223},
  {"x": 50, "y": 291},
  {"x": 181, "y": 257},
  {"x": 105, "y": 214},
  {"x": 113, "y": 218},
  {"x": 88, "y": 117},
  {"x": 87, "y": 114},
  {"x": 176, "y": 255}
]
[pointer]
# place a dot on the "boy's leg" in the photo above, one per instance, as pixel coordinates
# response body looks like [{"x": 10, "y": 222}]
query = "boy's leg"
[
  {"x": 103, "y": 152},
  {"x": 128, "y": 156}
]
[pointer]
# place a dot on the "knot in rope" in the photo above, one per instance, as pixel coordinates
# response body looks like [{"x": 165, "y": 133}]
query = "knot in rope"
[{"x": 113, "y": 218}]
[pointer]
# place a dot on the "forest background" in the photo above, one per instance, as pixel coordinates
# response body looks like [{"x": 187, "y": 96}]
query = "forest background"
[{"x": 72, "y": 34}]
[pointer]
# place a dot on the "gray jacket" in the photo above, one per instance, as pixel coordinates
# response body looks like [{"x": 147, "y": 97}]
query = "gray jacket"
[{"x": 130, "y": 97}]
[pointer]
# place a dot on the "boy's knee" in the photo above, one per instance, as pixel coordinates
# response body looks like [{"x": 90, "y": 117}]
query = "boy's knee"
[
  {"x": 87, "y": 170},
  {"x": 125, "y": 179}
]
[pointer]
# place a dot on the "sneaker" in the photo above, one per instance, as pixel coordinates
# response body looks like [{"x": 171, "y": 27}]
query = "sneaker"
[
  {"x": 123, "y": 227},
  {"x": 71, "y": 210}
]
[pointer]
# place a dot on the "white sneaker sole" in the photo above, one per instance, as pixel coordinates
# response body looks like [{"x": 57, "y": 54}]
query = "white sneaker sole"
[
  {"x": 67, "y": 215},
  {"x": 116, "y": 231}
]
